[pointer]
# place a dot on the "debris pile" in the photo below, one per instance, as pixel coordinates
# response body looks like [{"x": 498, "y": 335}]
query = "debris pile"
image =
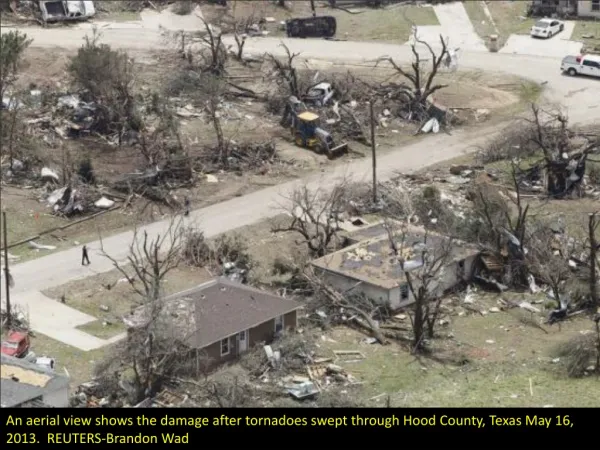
[{"x": 239, "y": 157}]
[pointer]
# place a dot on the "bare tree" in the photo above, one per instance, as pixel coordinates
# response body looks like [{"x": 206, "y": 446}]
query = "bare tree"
[
  {"x": 423, "y": 268},
  {"x": 423, "y": 83},
  {"x": 563, "y": 163},
  {"x": 285, "y": 71},
  {"x": 214, "y": 90},
  {"x": 214, "y": 54},
  {"x": 548, "y": 259},
  {"x": 315, "y": 215},
  {"x": 504, "y": 232},
  {"x": 155, "y": 347},
  {"x": 151, "y": 259}
]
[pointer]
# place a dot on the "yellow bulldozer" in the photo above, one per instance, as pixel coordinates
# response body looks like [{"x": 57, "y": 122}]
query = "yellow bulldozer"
[{"x": 307, "y": 133}]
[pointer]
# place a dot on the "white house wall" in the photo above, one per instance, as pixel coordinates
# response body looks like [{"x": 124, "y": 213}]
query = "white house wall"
[
  {"x": 584, "y": 9},
  {"x": 343, "y": 283},
  {"x": 58, "y": 398},
  {"x": 449, "y": 279}
]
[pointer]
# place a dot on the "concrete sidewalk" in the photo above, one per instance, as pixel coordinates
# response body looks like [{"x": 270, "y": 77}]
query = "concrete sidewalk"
[{"x": 455, "y": 26}]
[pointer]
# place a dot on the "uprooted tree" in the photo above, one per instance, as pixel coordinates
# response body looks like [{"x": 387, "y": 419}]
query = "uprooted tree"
[
  {"x": 107, "y": 78},
  {"x": 423, "y": 268},
  {"x": 315, "y": 214},
  {"x": 415, "y": 97}
]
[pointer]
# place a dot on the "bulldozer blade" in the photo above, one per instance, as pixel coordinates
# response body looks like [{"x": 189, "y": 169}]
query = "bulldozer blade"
[{"x": 338, "y": 150}]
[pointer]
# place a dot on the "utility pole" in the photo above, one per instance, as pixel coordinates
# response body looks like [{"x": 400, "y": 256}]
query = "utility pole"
[
  {"x": 374, "y": 157},
  {"x": 6, "y": 272}
]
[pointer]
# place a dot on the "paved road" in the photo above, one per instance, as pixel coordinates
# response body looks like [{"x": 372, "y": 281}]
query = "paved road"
[{"x": 580, "y": 96}]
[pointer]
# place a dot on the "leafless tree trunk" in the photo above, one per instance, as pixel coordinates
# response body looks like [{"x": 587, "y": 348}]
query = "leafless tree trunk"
[
  {"x": 151, "y": 259},
  {"x": 154, "y": 349},
  {"x": 553, "y": 137},
  {"x": 13, "y": 114},
  {"x": 506, "y": 230},
  {"x": 212, "y": 107},
  {"x": 433, "y": 260},
  {"x": 286, "y": 72},
  {"x": 423, "y": 83},
  {"x": 315, "y": 215},
  {"x": 216, "y": 57}
]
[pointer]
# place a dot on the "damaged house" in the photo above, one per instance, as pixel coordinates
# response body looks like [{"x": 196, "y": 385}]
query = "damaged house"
[
  {"x": 27, "y": 385},
  {"x": 368, "y": 266},
  {"x": 223, "y": 319}
]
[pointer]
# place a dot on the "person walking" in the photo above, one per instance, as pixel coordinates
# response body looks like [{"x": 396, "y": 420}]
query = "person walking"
[
  {"x": 85, "y": 260},
  {"x": 186, "y": 206}
]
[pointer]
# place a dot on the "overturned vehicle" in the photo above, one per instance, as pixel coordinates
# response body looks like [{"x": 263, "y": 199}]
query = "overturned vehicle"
[{"x": 56, "y": 11}]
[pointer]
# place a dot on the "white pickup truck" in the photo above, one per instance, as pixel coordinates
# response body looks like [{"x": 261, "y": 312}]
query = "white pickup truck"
[{"x": 581, "y": 65}]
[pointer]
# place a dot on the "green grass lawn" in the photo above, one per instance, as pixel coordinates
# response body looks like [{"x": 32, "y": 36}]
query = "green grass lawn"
[
  {"x": 77, "y": 363},
  {"x": 391, "y": 25},
  {"x": 507, "y": 15},
  {"x": 588, "y": 31},
  {"x": 98, "y": 328},
  {"x": 510, "y": 364}
]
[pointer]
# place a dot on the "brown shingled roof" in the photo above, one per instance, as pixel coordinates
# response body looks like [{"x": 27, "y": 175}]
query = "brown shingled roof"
[{"x": 222, "y": 308}]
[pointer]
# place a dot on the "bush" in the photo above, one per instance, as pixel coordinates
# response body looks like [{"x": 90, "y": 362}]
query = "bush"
[
  {"x": 224, "y": 249},
  {"x": 593, "y": 173},
  {"x": 196, "y": 251},
  {"x": 578, "y": 353},
  {"x": 12, "y": 46},
  {"x": 183, "y": 8},
  {"x": 513, "y": 142}
]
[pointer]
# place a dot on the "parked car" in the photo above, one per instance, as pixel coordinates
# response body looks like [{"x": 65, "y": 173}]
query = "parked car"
[
  {"x": 546, "y": 28},
  {"x": 581, "y": 65},
  {"x": 16, "y": 344}
]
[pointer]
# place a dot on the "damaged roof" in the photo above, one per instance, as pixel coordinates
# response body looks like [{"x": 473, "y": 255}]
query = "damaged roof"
[
  {"x": 372, "y": 260},
  {"x": 23, "y": 381},
  {"x": 216, "y": 310}
]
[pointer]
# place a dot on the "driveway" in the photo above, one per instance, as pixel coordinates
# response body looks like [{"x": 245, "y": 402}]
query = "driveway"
[
  {"x": 455, "y": 26},
  {"x": 557, "y": 46},
  {"x": 54, "y": 319}
]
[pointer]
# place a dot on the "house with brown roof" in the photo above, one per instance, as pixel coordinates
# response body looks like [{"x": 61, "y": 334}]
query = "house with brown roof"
[
  {"x": 223, "y": 319},
  {"x": 368, "y": 266}
]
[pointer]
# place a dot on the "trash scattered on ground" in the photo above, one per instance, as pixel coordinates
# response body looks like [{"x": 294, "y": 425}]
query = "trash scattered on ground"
[{"x": 34, "y": 245}]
